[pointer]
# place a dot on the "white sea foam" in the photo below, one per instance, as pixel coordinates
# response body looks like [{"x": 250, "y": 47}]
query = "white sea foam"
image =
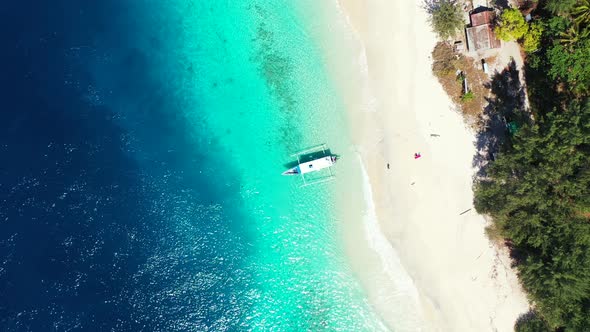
[
  {"x": 369, "y": 101},
  {"x": 401, "y": 291}
]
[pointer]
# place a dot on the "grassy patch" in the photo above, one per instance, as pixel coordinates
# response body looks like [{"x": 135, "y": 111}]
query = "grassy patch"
[
  {"x": 494, "y": 233},
  {"x": 446, "y": 67}
]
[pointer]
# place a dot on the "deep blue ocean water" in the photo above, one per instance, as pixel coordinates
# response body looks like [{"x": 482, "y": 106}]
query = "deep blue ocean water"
[{"x": 95, "y": 215}]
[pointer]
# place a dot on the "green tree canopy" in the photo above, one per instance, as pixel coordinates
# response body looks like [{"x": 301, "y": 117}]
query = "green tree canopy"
[
  {"x": 532, "y": 39},
  {"x": 445, "y": 17},
  {"x": 534, "y": 191},
  {"x": 560, "y": 7},
  {"x": 573, "y": 34},
  {"x": 581, "y": 12},
  {"x": 531, "y": 322},
  {"x": 512, "y": 25},
  {"x": 572, "y": 65}
]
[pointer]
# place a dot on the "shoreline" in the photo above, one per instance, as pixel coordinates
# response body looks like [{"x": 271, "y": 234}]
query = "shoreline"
[{"x": 423, "y": 207}]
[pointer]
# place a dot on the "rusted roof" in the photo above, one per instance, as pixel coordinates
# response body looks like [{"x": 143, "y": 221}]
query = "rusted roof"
[
  {"x": 481, "y": 18},
  {"x": 481, "y": 37}
]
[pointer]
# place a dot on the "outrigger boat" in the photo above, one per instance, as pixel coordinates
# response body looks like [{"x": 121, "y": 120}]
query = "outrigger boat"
[{"x": 325, "y": 161}]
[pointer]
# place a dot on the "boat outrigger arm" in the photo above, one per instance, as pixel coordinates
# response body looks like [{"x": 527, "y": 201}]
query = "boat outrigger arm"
[{"x": 324, "y": 162}]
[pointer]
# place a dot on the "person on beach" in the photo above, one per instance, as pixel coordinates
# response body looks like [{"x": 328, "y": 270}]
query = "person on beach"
[{"x": 417, "y": 155}]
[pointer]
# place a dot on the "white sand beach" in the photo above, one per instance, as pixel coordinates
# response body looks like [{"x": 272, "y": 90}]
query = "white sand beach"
[{"x": 424, "y": 259}]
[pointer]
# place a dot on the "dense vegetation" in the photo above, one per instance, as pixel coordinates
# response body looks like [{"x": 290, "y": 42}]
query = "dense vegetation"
[
  {"x": 446, "y": 17},
  {"x": 532, "y": 39},
  {"x": 538, "y": 187},
  {"x": 511, "y": 25}
]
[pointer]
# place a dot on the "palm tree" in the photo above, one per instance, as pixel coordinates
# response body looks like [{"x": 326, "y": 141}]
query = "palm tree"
[
  {"x": 560, "y": 7},
  {"x": 581, "y": 12},
  {"x": 573, "y": 34}
]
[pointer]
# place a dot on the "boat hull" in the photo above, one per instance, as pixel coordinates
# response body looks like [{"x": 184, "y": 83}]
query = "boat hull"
[
  {"x": 292, "y": 171},
  {"x": 312, "y": 166}
]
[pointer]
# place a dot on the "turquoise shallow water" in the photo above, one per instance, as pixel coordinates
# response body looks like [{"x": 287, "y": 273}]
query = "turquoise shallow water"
[
  {"x": 267, "y": 95},
  {"x": 170, "y": 123}
]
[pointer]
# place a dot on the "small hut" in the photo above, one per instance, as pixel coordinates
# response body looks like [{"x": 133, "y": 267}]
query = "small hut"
[{"x": 480, "y": 33}]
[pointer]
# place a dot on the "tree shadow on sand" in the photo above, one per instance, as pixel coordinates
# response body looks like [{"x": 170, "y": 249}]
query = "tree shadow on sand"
[
  {"x": 504, "y": 113},
  {"x": 531, "y": 321}
]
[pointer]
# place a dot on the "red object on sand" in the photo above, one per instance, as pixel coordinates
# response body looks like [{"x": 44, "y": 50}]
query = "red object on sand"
[{"x": 417, "y": 155}]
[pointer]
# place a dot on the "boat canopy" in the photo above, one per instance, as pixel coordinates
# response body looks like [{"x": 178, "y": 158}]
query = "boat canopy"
[{"x": 316, "y": 165}]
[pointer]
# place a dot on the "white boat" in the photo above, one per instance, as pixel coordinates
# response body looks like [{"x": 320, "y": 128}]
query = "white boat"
[
  {"x": 322, "y": 161},
  {"x": 312, "y": 166}
]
